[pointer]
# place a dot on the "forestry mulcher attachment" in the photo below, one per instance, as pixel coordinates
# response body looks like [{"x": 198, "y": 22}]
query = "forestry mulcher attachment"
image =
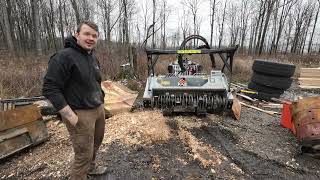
[{"x": 185, "y": 88}]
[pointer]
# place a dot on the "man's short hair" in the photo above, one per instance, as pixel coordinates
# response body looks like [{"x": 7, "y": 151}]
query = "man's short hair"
[{"x": 89, "y": 23}]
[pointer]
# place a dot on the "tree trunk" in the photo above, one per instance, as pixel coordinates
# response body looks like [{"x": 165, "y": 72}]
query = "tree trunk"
[
  {"x": 154, "y": 23},
  {"x": 244, "y": 24},
  {"x": 313, "y": 30},
  {"x": 76, "y": 10},
  {"x": 305, "y": 34},
  {"x": 269, "y": 11},
  {"x": 52, "y": 26},
  {"x": 213, "y": 6},
  {"x": 61, "y": 23},
  {"x": 222, "y": 24},
  {"x": 7, "y": 27},
  {"x": 276, "y": 25},
  {"x": 36, "y": 23},
  {"x": 109, "y": 28},
  {"x": 290, "y": 24}
]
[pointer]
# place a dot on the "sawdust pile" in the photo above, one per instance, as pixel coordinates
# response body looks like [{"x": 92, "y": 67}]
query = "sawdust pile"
[{"x": 139, "y": 128}]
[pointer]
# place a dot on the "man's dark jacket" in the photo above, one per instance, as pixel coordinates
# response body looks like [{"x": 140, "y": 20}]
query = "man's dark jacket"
[{"x": 73, "y": 78}]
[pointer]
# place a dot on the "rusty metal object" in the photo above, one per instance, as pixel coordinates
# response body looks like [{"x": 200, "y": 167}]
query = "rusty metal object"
[
  {"x": 45, "y": 106},
  {"x": 7, "y": 104},
  {"x": 306, "y": 119},
  {"x": 20, "y": 128}
]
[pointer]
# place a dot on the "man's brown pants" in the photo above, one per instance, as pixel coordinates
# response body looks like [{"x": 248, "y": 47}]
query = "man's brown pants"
[{"x": 86, "y": 139}]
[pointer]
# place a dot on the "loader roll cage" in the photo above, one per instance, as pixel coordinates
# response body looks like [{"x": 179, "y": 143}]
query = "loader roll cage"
[{"x": 226, "y": 54}]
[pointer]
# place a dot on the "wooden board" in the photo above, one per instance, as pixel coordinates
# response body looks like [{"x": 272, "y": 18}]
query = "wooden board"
[
  {"x": 310, "y": 71},
  {"x": 309, "y": 81},
  {"x": 309, "y": 87},
  {"x": 310, "y": 75},
  {"x": 309, "y": 78},
  {"x": 19, "y": 116}
]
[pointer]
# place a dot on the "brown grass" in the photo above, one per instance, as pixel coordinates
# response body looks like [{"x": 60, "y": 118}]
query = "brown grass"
[{"x": 21, "y": 78}]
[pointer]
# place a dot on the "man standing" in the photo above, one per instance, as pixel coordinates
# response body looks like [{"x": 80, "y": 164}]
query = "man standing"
[{"x": 72, "y": 84}]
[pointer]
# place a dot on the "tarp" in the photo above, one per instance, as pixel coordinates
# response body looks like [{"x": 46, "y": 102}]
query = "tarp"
[{"x": 118, "y": 98}]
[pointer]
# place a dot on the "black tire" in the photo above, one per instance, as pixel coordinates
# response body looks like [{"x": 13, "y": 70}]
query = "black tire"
[
  {"x": 273, "y": 68},
  {"x": 272, "y": 81},
  {"x": 266, "y": 89},
  {"x": 264, "y": 96}
]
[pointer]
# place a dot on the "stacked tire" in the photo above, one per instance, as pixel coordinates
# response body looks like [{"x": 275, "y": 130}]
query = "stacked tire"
[{"x": 270, "y": 79}]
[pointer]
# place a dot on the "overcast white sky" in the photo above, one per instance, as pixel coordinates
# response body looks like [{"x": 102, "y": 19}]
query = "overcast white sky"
[
  {"x": 177, "y": 11},
  {"x": 175, "y": 8}
]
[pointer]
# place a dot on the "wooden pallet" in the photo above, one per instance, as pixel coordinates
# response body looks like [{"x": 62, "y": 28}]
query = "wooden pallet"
[{"x": 21, "y": 128}]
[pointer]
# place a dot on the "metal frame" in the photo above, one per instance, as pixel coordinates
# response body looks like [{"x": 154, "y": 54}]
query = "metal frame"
[{"x": 226, "y": 55}]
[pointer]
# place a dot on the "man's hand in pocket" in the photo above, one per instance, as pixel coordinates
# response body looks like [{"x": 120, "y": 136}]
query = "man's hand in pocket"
[{"x": 68, "y": 114}]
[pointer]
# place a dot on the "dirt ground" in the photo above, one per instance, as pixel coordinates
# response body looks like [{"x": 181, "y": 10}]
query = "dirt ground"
[{"x": 146, "y": 145}]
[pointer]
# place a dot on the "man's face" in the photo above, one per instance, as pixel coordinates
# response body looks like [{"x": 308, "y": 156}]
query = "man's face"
[{"x": 87, "y": 37}]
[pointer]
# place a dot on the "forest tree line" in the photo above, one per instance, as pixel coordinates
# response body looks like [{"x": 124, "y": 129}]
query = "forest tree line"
[{"x": 257, "y": 26}]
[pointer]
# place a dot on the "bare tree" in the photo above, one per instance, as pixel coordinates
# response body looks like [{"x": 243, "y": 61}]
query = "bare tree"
[
  {"x": 212, "y": 13},
  {"x": 7, "y": 26},
  {"x": 184, "y": 23},
  {"x": 36, "y": 25},
  {"x": 221, "y": 25},
  {"x": 109, "y": 21},
  {"x": 145, "y": 16},
  {"x": 302, "y": 22},
  {"x": 153, "y": 22},
  {"x": 269, "y": 8},
  {"x": 52, "y": 25},
  {"x": 314, "y": 27},
  {"x": 164, "y": 17},
  {"x": 285, "y": 9},
  {"x": 76, "y": 10},
  {"x": 244, "y": 17},
  {"x": 288, "y": 32},
  {"x": 61, "y": 28},
  {"x": 193, "y": 6},
  {"x": 234, "y": 26}
]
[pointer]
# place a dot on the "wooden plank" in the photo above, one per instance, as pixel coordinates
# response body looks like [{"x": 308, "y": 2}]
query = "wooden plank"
[
  {"x": 19, "y": 116},
  {"x": 310, "y": 75},
  {"x": 246, "y": 97},
  {"x": 12, "y": 134},
  {"x": 310, "y": 70},
  {"x": 309, "y": 81},
  {"x": 309, "y": 87},
  {"x": 14, "y": 145},
  {"x": 271, "y": 105},
  {"x": 309, "y": 84},
  {"x": 258, "y": 109}
]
